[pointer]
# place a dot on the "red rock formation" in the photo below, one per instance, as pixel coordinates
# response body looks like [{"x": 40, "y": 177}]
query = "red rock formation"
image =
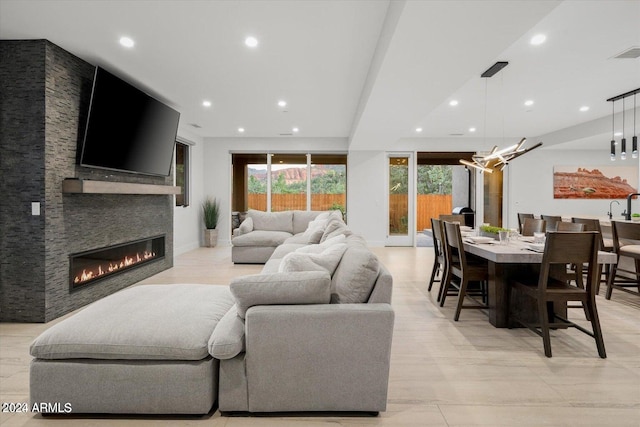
[{"x": 589, "y": 184}]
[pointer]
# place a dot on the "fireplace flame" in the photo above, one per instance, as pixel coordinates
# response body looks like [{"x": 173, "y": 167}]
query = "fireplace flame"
[{"x": 127, "y": 261}]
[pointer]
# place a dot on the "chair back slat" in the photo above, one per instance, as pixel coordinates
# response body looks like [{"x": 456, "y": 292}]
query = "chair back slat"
[
  {"x": 570, "y": 248},
  {"x": 533, "y": 225},
  {"x": 436, "y": 229},
  {"x": 452, "y": 218},
  {"x": 591, "y": 224},
  {"x": 552, "y": 222},
  {"x": 569, "y": 226},
  {"x": 455, "y": 250},
  {"x": 521, "y": 218}
]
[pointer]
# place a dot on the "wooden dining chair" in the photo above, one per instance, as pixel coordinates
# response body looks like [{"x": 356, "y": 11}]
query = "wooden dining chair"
[
  {"x": 438, "y": 252},
  {"x": 533, "y": 225},
  {"x": 626, "y": 243},
  {"x": 551, "y": 286},
  {"x": 552, "y": 222},
  {"x": 521, "y": 218},
  {"x": 466, "y": 268},
  {"x": 606, "y": 245}
]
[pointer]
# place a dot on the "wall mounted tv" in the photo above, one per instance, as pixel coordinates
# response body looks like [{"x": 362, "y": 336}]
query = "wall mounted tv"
[{"x": 128, "y": 130}]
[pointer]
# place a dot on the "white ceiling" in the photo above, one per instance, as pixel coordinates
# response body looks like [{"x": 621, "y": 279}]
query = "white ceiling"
[{"x": 370, "y": 71}]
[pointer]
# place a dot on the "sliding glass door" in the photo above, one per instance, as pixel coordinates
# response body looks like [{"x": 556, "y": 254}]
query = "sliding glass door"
[{"x": 401, "y": 210}]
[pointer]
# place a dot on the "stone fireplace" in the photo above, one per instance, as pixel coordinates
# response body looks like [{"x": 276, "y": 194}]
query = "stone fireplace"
[{"x": 43, "y": 113}]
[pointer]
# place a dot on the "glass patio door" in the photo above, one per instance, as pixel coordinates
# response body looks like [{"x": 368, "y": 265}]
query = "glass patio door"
[{"x": 401, "y": 228}]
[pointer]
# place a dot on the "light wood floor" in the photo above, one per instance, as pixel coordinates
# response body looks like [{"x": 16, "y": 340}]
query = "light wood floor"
[{"x": 443, "y": 373}]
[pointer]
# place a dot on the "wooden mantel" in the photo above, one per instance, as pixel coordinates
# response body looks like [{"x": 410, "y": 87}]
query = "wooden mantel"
[{"x": 88, "y": 186}]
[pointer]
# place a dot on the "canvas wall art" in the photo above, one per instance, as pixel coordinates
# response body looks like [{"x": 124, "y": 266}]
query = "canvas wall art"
[{"x": 594, "y": 182}]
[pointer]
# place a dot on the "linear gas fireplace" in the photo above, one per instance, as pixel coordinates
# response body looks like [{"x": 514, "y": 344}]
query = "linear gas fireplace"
[{"x": 92, "y": 266}]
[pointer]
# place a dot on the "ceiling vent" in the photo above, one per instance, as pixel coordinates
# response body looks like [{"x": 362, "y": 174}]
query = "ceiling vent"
[
  {"x": 456, "y": 134},
  {"x": 631, "y": 53},
  {"x": 195, "y": 125},
  {"x": 286, "y": 134}
]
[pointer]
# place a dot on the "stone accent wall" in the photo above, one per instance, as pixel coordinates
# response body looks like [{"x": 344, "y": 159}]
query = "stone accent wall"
[{"x": 43, "y": 109}]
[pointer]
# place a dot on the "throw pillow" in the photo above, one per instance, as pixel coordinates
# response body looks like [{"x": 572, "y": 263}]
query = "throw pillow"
[
  {"x": 333, "y": 225},
  {"x": 246, "y": 226},
  {"x": 227, "y": 340},
  {"x": 316, "y": 249},
  {"x": 327, "y": 260},
  {"x": 314, "y": 231},
  {"x": 303, "y": 287},
  {"x": 355, "y": 277}
]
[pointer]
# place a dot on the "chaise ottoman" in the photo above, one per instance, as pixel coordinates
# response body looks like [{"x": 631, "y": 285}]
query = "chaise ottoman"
[{"x": 142, "y": 350}]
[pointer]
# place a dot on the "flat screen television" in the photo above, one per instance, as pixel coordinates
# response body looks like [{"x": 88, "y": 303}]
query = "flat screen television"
[{"x": 128, "y": 130}]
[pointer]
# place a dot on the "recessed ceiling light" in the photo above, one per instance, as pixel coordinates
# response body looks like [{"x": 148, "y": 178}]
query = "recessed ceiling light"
[
  {"x": 241, "y": 130},
  {"x": 418, "y": 130},
  {"x": 282, "y": 103},
  {"x": 206, "y": 103},
  {"x": 528, "y": 102},
  {"x": 472, "y": 129},
  {"x": 127, "y": 41},
  {"x": 538, "y": 39},
  {"x": 251, "y": 41},
  {"x": 584, "y": 108},
  {"x": 295, "y": 130},
  {"x": 453, "y": 102}
]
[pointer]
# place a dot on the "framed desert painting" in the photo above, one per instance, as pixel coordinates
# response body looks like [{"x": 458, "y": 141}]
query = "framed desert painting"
[{"x": 594, "y": 182}]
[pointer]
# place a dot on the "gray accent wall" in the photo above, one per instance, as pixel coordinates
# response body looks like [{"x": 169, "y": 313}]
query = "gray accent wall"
[{"x": 44, "y": 98}]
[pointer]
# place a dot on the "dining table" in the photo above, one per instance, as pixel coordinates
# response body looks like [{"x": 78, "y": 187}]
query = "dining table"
[{"x": 506, "y": 259}]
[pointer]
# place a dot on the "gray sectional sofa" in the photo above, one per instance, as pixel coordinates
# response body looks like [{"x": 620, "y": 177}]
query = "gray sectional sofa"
[
  {"x": 311, "y": 332},
  {"x": 261, "y": 233}
]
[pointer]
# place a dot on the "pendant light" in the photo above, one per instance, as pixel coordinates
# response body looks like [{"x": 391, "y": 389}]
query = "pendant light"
[
  {"x": 623, "y": 150},
  {"x": 623, "y": 141},
  {"x": 634, "y": 140},
  {"x": 613, "y": 131}
]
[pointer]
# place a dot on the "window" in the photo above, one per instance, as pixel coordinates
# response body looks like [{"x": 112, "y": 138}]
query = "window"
[
  {"x": 278, "y": 182},
  {"x": 182, "y": 173}
]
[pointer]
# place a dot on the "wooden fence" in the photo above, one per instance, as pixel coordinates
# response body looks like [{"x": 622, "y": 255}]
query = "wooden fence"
[
  {"x": 428, "y": 205},
  {"x": 283, "y": 202}
]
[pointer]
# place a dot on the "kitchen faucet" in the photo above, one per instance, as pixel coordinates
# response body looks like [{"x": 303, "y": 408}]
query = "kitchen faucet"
[
  {"x": 610, "y": 213},
  {"x": 628, "y": 215}
]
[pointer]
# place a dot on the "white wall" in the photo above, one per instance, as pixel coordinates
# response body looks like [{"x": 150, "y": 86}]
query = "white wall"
[
  {"x": 217, "y": 165},
  {"x": 187, "y": 222},
  {"x": 366, "y": 195},
  {"x": 530, "y": 184}
]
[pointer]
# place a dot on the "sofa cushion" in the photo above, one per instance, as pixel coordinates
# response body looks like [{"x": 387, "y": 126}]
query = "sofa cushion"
[
  {"x": 333, "y": 228},
  {"x": 286, "y": 248},
  {"x": 327, "y": 260},
  {"x": 261, "y": 238},
  {"x": 246, "y": 226},
  {"x": 159, "y": 322},
  {"x": 227, "y": 340},
  {"x": 316, "y": 249},
  {"x": 271, "y": 266},
  {"x": 303, "y": 287},
  {"x": 314, "y": 231},
  {"x": 297, "y": 239},
  {"x": 272, "y": 221},
  {"x": 355, "y": 276},
  {"x": 301, "y": 220}
]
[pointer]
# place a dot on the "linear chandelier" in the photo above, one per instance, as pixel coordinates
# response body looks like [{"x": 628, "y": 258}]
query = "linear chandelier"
[
  {"x": 623, "y": 141},
  {"x": 499, "y": 158},
  {"x": 496, "y": 158}
]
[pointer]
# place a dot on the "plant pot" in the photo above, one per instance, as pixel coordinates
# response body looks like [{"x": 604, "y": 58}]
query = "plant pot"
[
  {"x": 635, "y": 218},
  {"x": 210, "y": 237}
]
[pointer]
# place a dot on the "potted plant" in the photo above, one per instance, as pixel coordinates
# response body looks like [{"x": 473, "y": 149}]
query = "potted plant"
[
  {"x": 635, "y": 217},
  {"x": 491, "y": 231},
  {"x": 210, "y": 214}
]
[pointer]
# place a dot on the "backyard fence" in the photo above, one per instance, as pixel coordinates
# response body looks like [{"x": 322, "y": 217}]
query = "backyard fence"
[{"x": 428, "y": 205}]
